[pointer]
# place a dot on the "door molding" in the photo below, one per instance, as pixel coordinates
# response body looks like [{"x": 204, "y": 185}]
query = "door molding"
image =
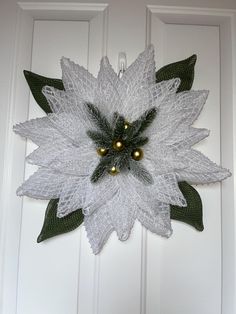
[
  {"x": 15, "y": 149},
  {"x": 226, "y": 21}
]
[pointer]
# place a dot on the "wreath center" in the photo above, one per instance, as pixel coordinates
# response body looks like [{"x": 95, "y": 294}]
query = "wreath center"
[{"x": 119, "y": 142}]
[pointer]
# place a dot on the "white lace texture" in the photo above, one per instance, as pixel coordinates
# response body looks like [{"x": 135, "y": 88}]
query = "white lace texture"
[{"x": 67, "y": 158}]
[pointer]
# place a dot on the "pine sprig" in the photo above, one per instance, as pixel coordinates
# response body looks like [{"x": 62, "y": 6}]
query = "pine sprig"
[
  {"x": 106, "y": 135},
  {"x": 119, "y": 127},
  {"x": 145, "y": 120},
  {"x": 140, "y": 172},
  {"x": 99, "y": 138},
  {"x": 138, "y": 141},
  {"x": 102, "y": 168},
  {"x": 99, "y": 120},
  {"x": 122, "y": 161},
  {"x": 141, "y": 124}
]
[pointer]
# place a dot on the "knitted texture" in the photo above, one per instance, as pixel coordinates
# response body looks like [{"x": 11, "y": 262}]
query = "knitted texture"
[
  {"x": 36, "y": 83},
  {"x": 192, "y": 213},
  {"x": 54, "y": 226},
  {"x": 68, "y": 157},
  {"x": 184, "y": 70}
]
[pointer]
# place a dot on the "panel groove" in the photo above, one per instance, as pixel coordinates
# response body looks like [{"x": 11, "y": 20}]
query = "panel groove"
[
  {"x": 143, "y": 285},
  {"x": 96, "y": 285}
]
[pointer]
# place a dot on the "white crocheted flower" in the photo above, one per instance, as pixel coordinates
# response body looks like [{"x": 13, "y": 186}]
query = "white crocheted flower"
[{"x": 119, "y": 116}]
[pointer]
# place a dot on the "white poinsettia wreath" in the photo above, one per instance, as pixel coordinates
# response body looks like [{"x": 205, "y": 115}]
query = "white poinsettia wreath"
[{"x": 117, "y": 148}]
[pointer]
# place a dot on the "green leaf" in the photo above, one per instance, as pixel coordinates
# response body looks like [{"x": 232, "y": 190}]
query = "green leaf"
[
  {"x": 183, "y": 69},
  {"x": 192, "y": 213},
  {"x": 53, "y": 225},
  {"x": 36, "y": 83}
]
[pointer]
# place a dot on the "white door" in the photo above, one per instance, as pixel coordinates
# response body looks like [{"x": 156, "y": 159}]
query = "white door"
[{"x": 191, "y": 272}]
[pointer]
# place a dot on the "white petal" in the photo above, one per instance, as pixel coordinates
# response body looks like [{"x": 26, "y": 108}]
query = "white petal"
[
  {"x": 161, "y": 159},
  {"x": 67, "y": 103},
  {"x": 39, "y": 130},
  {"x": 98, "y": 227},
  {"x": 200, "y": 169},
  {"x": 69, "y": 127},
  {"x": 185, "y": 137},
  {"x": 57, "y": 99},
  {"x": 43, "y": 184},
  {"x": 68, "y": 202},
  {"x": 122, "y": 214},
  {"x": 177, "y": 110},
  {"x": 77, "y": 79},
  {"x": 79, "y": 161},
  {"x": 47, "y": 153},
  {"x": 168, "y": 191},
  {"x": 98, "y": 194},
  {"x": 107, "y": 96},
  {"x": 146, "y": 98},
  {"x": 141, "y": 72},
  {"x": 158, "y": 220}
]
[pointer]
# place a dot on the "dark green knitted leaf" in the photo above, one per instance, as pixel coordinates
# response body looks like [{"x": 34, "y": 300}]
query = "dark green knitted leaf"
[
  {"x": 53, "y": 225},
  {"x": 183, "y": 69},
  {"x": 192, "y": 213},
  {"x": 36, "y": 83}
]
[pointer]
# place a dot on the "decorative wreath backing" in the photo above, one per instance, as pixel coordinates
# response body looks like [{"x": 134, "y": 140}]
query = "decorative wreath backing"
[{"x": 112, "y": 150}]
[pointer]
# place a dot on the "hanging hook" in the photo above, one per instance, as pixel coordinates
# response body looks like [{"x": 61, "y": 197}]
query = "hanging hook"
[{"x": 122, "y": 63}]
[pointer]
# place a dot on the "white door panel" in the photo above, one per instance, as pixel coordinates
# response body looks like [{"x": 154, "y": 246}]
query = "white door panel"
[
  {"x": 184, "y": 263},
  {"x": 145, "y": 274},
  {"x": 48, "y": 274}
]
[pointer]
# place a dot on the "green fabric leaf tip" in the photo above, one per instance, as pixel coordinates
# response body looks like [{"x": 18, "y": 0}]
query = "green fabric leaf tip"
[
  {"x": 54, "y": 226},
  {"x": 36, "y": 83},
  {"x": 192, "y": 213},
  {"x": 183, "y": 69}
]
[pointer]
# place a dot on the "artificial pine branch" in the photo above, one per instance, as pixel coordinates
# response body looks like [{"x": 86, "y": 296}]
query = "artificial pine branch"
[
  {"x": 99, "y": 138},
  {"x": 99, "y": 119},
  {"x": 145, "y": 120},
  {"x": 138, "y": 141},
  {"x": 119, "y": 128},
  {"x": 140, "y": 172},
  {"x": 101, "y": 169}
]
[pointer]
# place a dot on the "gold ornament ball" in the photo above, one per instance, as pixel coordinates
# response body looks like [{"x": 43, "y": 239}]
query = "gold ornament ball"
[
  {"x": 118, "y": 145},
  {"x": 137, "y": 154},
  {"x": 113, "y": 171},
  {"x": 127, "y": 125},
  {"x": 102, "y": 151}
]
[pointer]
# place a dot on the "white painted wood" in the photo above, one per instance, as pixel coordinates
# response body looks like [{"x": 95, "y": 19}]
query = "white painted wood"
[
  {"x": 144, "y": 274},
  {"x": 96, "y": 20},
  {"x": 185, "y": 259},
  {"x": 58, "y": 260}
]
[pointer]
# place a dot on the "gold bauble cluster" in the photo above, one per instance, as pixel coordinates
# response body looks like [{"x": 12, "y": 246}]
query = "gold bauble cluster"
[{"x": 118, "y": 145}]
